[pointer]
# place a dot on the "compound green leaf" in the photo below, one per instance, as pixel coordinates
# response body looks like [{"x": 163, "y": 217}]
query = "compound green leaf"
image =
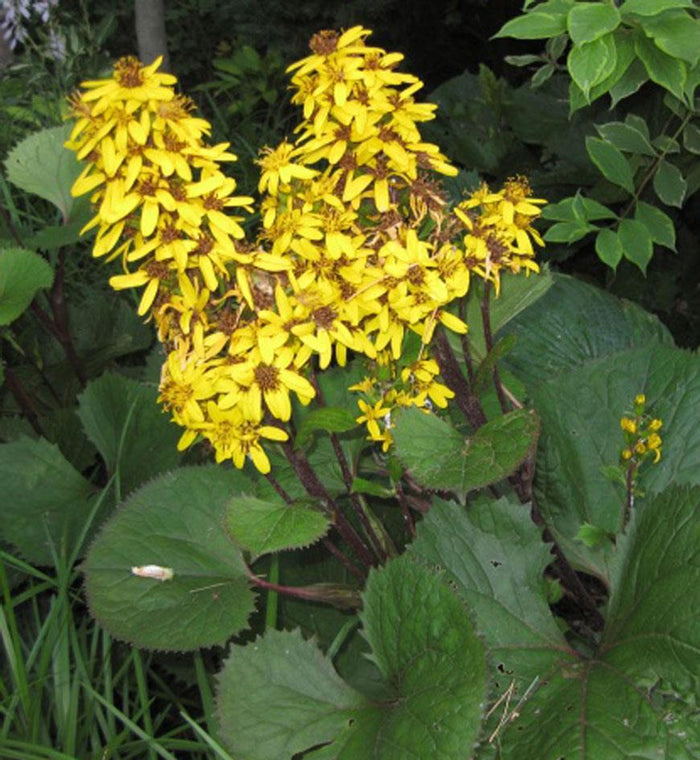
[
  {"x": 590, "y": 21},
  {"x": 534, "y": 26},
  {"x": 580, "y": 413},
  {"x": 22, "y": 274},
  {"x": 279, "y": 696},
  {"x": 637, "y": 245},
  {"x": 591, "y": 63},
  {"x": 659, "y": 225},
  {"x": 42, "y": 166},
  {"x": 669, "y": 184},
  {"x": 608, "y": 247},
  {"x": 568, "y": 232},
  {"x": 577, "y": 207},
  {"x": 45, "y": 500},
  {"x": 492, "y": 453},
  {"x": 192, "y": 590},
  {"x": 613, "y": 165},
  {"x": 122, "y": 418},
  {"x": 691, "y": 138},
  {"x": 261, "y": 526}
]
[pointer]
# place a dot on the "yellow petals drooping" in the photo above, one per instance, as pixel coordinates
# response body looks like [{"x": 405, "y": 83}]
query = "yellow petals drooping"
[{"x": 359, "y": 252}]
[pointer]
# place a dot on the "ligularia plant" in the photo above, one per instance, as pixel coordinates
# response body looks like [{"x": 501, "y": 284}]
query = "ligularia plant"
[{"x": 418, "y": 445}]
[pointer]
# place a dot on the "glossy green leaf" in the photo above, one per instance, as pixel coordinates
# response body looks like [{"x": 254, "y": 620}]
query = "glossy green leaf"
[
  {"x": 261, "y": 526},
  {"x": 534, "y": 26},
  {"x": 665, "y": 70},
  {"x": 658, "y": 224},
  {"x": 608, "y": 247},
  {"x": 280, "y": 696},
  {"x": 637, "y": 245},
  {"x": 174, "y": 523},
  {"x": 574, "y": 324},
  {"x": 590, "y": 21},
  {"x": 42, "y": 166},
  {"x": 676, "y": 33},
  {"x": 22, "y": 274},
  {"x": 613, "y": 165},
  {"x": 492, "y": 453},
  {"x": 669, "y": 184},
  {"x": 626, "y": 137},
  {"x": 45, "y": 500},
  {"x": 579, "y": 439},
  {"x": 591, "y": 63},
  {"x": 327, "y": 419}
]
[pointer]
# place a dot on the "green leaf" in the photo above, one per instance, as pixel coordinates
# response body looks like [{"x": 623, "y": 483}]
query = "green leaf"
[
  {"x": 605, "y": 706},
  {"x": 261, "y": 526},
  {"x": 590, "y": 21},
  {"x": 654, "y": 628},
  {"x": 279, "y": 696},
  {"x": 533, "y": 26},
  {"x": 613, "y": 165},
  {"x": 329, "y": 419},
  {"x": 629, "y": 83},
  {"x": 174, "y": 522},
  {"x": 45, "y": 501},
  {"x": 42, "y": 166},
  {"x": 591, "y": 535},
  {"x": 578, "y": 439},
  {"x": 637, "y": 245},
  {"x": 608, "y": 247},
  {"x": 492, "y": 453},
  {"x": 590, "y": 63},
  {"x": 577, "y": 207},
  {"x": 371, "y": 487},
  {"x": 565, "y": 704},
  {"x": 122, "y": 418},
  {"x": 626, "y": 137},
  {"x": 676, "y": 33},
  {"x": 568, "y": 232},
  {"x": 669, "y": 184},
  {"x": 22, "y": 274},
  {"x": 574, "y": 324},
  {"x": 658, "y": 225},
  {"x": 495, "y": 556},
  {"x": 653, "y": 7},
  {"x": 691, "y": 138},
  {"x": 666, "y": 71}
]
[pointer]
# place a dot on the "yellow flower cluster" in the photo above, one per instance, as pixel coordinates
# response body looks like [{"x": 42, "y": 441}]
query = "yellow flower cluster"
[
  {"x": 642, "y": 439},
  {"x": 358, "y": 249}
]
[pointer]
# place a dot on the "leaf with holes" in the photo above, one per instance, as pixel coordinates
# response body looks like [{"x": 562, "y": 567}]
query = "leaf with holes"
[
  {"x": 200, "y": 596},
  {"x": 279, "y": 696},
  {"x": 261, "y": 526},
  {"x": 555, "y": 701},
  {"x": 492, "y": 453}
]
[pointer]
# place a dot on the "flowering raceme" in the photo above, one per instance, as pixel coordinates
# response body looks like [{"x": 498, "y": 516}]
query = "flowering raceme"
[{"x": 359, "y": 247}]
